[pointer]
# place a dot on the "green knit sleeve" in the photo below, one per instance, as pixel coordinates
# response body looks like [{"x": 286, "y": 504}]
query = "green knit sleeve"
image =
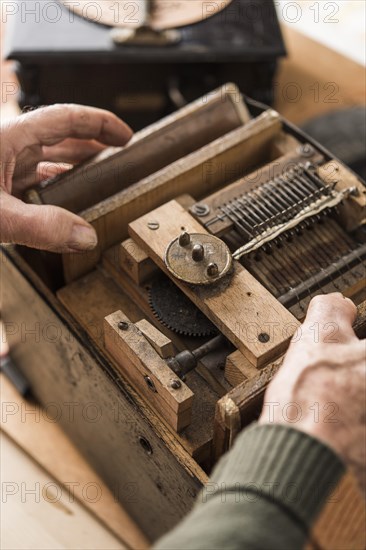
[{"x": 265, "y": 493}]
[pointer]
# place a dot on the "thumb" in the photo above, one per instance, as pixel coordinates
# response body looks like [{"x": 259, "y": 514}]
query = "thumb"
[
  {"x": 45, "y": 227},
  {"x": 329, "y": 319}
]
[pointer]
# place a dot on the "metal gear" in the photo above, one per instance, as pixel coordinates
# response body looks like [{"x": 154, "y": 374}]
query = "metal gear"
[{"x": 174, "y": 310}]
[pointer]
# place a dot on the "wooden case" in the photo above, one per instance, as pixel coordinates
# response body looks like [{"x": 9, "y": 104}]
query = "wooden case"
[{"x": 83, "y": 333}]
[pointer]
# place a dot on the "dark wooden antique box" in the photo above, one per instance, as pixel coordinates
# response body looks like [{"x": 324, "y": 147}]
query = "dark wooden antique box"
[
  {"x": 64, "y": 57},
  {"x": 216, "y": 226}
]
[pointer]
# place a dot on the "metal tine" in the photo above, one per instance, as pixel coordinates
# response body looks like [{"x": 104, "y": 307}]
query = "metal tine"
[
  {"x": 292, "y": 194},
  {"x": 278, "y": 275},
  {"x": 316, "y": 179},
  {"x": 263, "y": 202},
  {"x": 237, "y": 221},
  {"x": 303, "y": 182},
  {"x": 299, "y": 189},
  {"x": 249, "y": 206},
  {"x": 246, "y": 213},
  {"x": 275, "y": 199},
  {"x": 333, "y": 245},
  {"x": 285, "y": 195},
  {"x": 261, "y": 216}
]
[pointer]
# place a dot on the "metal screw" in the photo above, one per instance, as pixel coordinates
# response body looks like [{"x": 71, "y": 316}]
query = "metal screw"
[
  {"x": 198, "y": 253},
  {"x": 153, "y": 226},
  {"x": 122, "y": 325},
  {"x": 175, "y": 384},
  {"x": 263, "y": 337},
  {"x": 184, "y": 239},
  {"x": 212, "y": 270},
  {"x": 306, "y": 150},
  {"x": 201, "y": 209}
]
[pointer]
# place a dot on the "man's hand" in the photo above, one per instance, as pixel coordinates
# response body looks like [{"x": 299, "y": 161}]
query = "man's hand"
[
  {"x": 321, "y": 387},
  {"x": 41, "y": 144}
]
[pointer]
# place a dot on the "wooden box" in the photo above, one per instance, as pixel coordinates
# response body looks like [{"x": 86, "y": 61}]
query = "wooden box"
[{"x": 83, "y": 333}]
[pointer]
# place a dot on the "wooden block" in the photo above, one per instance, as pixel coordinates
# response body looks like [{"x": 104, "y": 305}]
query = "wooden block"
[
  {"x": 136, "y": 262},
  {"x": 238, "y": 368},
  {"x": 148, "y": 372},
  {"x": 199, "y": 173},
  {"x": 352, "y": 212},
  {"x": 238, "y": 407},
  {"x": 161, "y": 343},
  {"x": 241, "y": 310}
]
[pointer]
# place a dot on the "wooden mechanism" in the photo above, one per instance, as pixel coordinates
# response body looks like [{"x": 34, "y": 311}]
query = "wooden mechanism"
[{"x": 210, "y": 249}]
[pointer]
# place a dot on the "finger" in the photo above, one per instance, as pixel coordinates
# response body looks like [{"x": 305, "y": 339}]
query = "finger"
[
  {"x": 50, "y": 125},
  {"x": 329, "y": 319},
  {"x": 44, "y": 227},
  {"x": 72, "y": 151}
]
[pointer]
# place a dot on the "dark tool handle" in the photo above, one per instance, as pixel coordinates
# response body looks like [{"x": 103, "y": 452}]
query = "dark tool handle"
[{"x": 12, "y": 372}]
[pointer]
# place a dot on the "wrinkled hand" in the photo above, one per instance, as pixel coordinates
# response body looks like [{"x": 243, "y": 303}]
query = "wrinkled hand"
[
  {"x": 41, "y": 144},
  {"x": 321, "y": 387}
]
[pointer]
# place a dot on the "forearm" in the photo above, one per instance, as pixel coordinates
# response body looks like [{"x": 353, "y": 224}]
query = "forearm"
[{"x": 266, "y": 493}]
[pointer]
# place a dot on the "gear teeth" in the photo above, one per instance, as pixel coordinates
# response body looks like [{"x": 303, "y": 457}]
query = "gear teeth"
[{"x": 158, "y": 315}]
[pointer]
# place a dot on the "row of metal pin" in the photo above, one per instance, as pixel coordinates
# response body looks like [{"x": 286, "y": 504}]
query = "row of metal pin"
[
  {"x": 276, "y": 201},
  {"x": 288, "y": 269}
]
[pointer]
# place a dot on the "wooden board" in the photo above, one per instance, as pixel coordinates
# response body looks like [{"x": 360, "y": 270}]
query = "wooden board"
[
  {"x": 47, "y": 444},
  {"x": 158, "y": 488},
  {"x": 237, "y": 308},
  {"x": 140, "y": 363},
  {"x": 198, "y": 174}
]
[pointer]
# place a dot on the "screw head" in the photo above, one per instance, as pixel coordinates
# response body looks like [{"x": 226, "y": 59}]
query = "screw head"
[
  {"x": 201, "y": 209},
  {"x": 175, "y": 384},
  {"x": 198, "y": 253},
  {"x": 122, "y": 325},
  {"x": 263, "y": 337},
  {"x": 153, "y": 225},
  {"x": 306, "y": 150},
  {"x": 184, "y": 239},
  {"x": 212, "y": 270}
]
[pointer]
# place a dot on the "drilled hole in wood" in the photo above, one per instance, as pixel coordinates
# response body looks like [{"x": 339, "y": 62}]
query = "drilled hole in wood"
[
  {"x": 150, "y": 384},
  {"x": 145, "y": 444}
]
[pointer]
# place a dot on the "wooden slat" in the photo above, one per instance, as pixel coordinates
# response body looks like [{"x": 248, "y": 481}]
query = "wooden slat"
[
  {"x": 241, "y": 310},
  {"x": 138, "y": 359},
  {"x": 161, "y": 343},
  {"x": 198, "y": 174},
  {"x": 238, "y": 407}
]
